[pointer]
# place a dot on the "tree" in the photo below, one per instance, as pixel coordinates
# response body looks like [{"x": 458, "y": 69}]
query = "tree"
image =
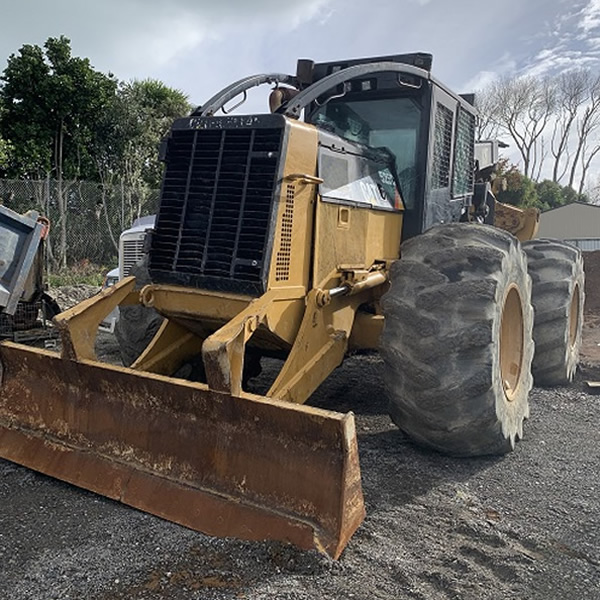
[
  {"x": 144, "y": 113},
  {"x": 572, "y": 92},
  {"x": 587, "y": 125},
  {"x": 523, "y": 109},
  {"x": 522, "y": 191},
  {"x": 552, "y": 195},
  {"x": 519, "y": 189},
  {"x": 486, "y": 103},
  {"x": 51, "y": 102},
  {"x": 549, "y": 194},
  {"x": 556, "y": 118},
  {"x": 24, "y": 117},
  {"x": 149, "y": 108},
  {"x": 128, "y": 136},
  {"x": 5, "y": 151}
]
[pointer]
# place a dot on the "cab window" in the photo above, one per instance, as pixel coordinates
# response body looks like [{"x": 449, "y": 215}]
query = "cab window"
[{"x": 393, "y": 123}]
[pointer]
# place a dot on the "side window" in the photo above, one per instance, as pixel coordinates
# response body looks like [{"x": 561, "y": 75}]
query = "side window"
[
  {"x": 363, "y": 180},
  {"x": 442, "y": 147},
  {"x": 464, "y": 154},
  {"x": 392, "y": 123}
]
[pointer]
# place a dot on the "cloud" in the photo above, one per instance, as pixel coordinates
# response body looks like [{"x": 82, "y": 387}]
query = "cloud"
[
  {"x": 568, "y": 40},
  {"x": 561, "y": 62},
  {"x": 590, "y": 16},
  {"x": 126, "y": 36},
  {"x": 504, "y": 65},
  {"x": 199, "y": 46},
  {"x": 481, "y": 80}
]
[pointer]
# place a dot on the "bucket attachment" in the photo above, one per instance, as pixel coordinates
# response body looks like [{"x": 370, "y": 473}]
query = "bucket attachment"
[{"x": 247, "y": 467}]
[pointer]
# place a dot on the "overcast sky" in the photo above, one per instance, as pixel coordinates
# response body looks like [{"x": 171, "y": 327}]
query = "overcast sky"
[{"x": 199, "y": 46}]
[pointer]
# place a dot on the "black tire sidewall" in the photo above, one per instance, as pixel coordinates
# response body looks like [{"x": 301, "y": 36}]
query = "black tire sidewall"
[
  {"x": 558, "y": 279},
  {"x": 455, "y": 402}
]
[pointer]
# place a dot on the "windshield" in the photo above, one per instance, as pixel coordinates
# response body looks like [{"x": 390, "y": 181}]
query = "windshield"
[{"x": 392, "y": 123}]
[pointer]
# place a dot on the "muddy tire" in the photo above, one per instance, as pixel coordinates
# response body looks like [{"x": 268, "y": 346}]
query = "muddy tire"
[
  {"x": 557, "y": 296},
  {"x": 137, "y": 325},
  {"x": 457, "y": 342}
]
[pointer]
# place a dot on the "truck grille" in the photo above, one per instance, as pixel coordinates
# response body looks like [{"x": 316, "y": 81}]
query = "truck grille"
[
  {"x": 217, "y": 204},
  {"x": 133, "y": 251}
]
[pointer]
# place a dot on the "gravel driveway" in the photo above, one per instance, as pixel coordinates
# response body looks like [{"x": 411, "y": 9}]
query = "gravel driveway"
[{"x": 526, "y": 526}]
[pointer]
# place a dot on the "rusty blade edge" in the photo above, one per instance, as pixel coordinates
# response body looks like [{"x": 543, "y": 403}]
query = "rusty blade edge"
[
  {"x": 65, "y": 435},
  {"x": 195, "y": 508},
  {"x": 15, "y": 349}
]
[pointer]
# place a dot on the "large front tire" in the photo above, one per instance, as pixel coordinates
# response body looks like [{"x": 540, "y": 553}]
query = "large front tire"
[
  {"x": 457, "y": 342},
  {"x": 556, "y": 270}
]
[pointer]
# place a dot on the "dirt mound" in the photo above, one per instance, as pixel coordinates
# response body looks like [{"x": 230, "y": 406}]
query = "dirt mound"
[{"x": 70, "y": 295}]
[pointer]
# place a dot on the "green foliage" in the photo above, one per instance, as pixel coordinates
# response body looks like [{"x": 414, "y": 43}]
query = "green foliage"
[
  {"x": 520, "y": 190},
  {"x": 67, "y": 120},
  {"x": 524, "y": 192},
  {"x": 146, "y": 109},
  {"x": 82, "y": 272},
  {"x": 61, "y": 119},
  {"x": 129, "y": 135},
  {"x": 549, "y": 194},
  {"x": 23, "y": 116},
  {"x": 5, "y": 150},
  {"x": 570, "y": 195},
  {"x": 51, "y": 101}
]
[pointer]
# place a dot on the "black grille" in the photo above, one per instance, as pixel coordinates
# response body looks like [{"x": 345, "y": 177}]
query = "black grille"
[
  {"x": 464, "y": 154},
  {"x": 440, "y": 175},
  {"x": 217, "y": 204}
]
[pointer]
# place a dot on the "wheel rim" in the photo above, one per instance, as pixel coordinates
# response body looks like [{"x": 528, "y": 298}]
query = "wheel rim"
[
  {"x": 511, "y": 343},
  {"x": 574, "y": 316}
]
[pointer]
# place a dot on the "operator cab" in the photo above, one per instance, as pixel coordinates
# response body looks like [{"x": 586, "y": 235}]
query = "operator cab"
[
  {"x": 428, "y": 131},
  {"x": 388, "y": 104},
  {"x": 390, "y": 123}
]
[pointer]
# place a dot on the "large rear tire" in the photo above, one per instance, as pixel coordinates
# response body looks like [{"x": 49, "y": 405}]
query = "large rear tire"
[
  {"x": 556, "y": 270},
  {"x": 457, "y": 342}
]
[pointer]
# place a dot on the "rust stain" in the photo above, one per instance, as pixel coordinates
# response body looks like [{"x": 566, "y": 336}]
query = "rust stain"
[{"x": 244, "y": 467}]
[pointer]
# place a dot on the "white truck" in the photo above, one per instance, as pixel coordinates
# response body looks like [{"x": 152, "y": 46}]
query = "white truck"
[{"x": 131, "y": 251}]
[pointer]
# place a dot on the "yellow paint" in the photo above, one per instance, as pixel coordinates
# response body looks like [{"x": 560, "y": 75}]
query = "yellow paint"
[{"x": 522, "y": 223}]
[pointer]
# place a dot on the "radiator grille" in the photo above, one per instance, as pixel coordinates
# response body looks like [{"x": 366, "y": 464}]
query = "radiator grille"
[
  {"x": 133, "y": 251},
  {"x": 216, "y": 208}
]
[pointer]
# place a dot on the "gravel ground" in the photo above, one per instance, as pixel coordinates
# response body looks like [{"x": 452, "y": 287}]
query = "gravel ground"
[{"x": 525, "y": 526}]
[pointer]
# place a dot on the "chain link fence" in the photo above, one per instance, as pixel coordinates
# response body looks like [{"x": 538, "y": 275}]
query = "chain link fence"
[{"x": 91, "y": 216}]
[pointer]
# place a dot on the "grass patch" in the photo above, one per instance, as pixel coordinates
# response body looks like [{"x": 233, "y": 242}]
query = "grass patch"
[{"x": 82, "y": 272}]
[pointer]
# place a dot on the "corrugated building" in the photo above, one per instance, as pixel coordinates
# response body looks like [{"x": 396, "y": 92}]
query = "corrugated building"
[{"x": 577, "y": 223}]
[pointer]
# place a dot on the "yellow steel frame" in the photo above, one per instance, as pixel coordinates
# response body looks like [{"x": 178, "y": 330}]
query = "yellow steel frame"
[
  {"x": 316, "y": 347},
  {"x": 522, "y": 223},
  {"x": 78, "y": 326},
  {"x": 317, "y": 246}
]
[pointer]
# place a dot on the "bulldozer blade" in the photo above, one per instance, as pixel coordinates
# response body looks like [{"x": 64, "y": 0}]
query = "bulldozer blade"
[{"x": 246, "y": 467}]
